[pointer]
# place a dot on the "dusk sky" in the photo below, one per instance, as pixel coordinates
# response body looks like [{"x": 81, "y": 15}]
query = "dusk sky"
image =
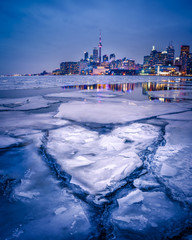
[{"x": 37, "y": 35}]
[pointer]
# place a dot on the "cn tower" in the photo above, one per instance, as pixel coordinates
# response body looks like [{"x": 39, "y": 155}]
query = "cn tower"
[{"x": 100, "y": 45}]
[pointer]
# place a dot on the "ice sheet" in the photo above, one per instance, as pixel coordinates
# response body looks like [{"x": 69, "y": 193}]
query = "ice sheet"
[
  {"x": 147, "y": 214},
  {"x": 38, "y": 203},
  {"x": 114, "y": 158},
  {"x": 6, "y": 141},
  {"x": 173, "y": 161},
  {"x": 172, "y": 94},
  {"x": 132, "y": 175},
  {"x": 24, "y": 103},
  {"x": 114, "y": 112},
  {"x": 187, "y": 116},
  {"x": 22, "y": 120}
]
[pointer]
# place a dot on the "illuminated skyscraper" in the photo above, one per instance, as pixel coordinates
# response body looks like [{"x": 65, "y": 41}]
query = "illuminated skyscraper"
[
  {"x": 95, "y": 54},
  {"x": 189, "y": 64},
  {"x": 154, "y": 57},
  {"x": 170, "y": 54},
  {"x": 184, "y": 55},
  {"x": 100, "y": 45}
]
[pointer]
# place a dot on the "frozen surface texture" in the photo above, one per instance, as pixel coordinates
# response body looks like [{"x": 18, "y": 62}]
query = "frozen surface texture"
[
  {"x": 100, "y": 158},
  {"x": 99, "y": 161}
]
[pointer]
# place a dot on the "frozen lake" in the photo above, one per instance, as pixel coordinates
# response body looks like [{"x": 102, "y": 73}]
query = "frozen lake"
[{"x": 90, "y": 157}]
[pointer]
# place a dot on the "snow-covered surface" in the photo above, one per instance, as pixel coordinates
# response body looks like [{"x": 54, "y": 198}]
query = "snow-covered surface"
[
  {"x": 120, "y": 112},
  {"x": 95, "y": 161},
  {"x": 172, "y": 94},
  {"x": 24, "y": 103},
  {"x": 104, "y": 162}
]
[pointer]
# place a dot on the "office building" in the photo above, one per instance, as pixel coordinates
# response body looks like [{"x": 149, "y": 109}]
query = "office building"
[
  {"x": 95, "y": 54},
  {"x": 69, "y": 68},
  {"x": 146, "y": 61},
  {"x": 184, "y": 55},
  {"x": 170, "y": 55},
  {"x": 189, "y": 64},
  {"x": 112, "y": 57},
  {"x": 86, "y": 56}
]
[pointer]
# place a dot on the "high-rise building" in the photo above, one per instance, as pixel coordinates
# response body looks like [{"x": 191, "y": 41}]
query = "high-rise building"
[
  {"x": 91, "y": 58},
  {"x": 146, "y": 60},
  {"x": 95, "y": 54},
  {"x": 86, "y": 56},
  {"x": 178, "y": 63},
  {"x": 112, "y": 57},
  {"x": 170, "y": 54},
  {"x": 129, "y": 64},
  {"x": 154, "y": 57},
  {"x": 184, "y": 55},
  {"x": 100, "y": 45},
  {"x": 163, "y": 59},
  {"x": 189, "y": 64},
  {"x": 69, "y": 68},
  {"x": 83, "y": 64},
  {"x": 105, "y": 58}
]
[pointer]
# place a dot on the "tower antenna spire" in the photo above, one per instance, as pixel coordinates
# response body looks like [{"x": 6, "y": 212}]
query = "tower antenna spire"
[{"x": 100, "y": 45}]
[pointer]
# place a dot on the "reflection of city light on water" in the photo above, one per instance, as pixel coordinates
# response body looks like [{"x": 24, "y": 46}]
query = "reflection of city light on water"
[
  {"x": 146, "y": 88},
  {"x": 125, "y": 87}
]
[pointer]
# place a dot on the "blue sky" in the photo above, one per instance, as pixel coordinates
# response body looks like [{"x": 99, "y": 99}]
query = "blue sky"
[{"x": 37, "y": 35}]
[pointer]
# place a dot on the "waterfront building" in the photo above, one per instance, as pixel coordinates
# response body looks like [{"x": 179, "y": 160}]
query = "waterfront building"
[
  {"x": 69, "y": 68},
  {"x": 57, "y": 72},
  {"x": 184, "y": 55},
  {"x": 100, "y": 70},
  {"x": 166, "y": 70}
]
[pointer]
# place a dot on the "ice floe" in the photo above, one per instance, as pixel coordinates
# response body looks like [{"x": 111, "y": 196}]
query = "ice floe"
[
  {"x": 116, "y": 112},
  {"x": 24, "y": 103},
  {"x": 97, "y": 162}
]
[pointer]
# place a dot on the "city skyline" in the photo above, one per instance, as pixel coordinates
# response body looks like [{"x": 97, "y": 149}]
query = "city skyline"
[{"x": 38, "y": 35}]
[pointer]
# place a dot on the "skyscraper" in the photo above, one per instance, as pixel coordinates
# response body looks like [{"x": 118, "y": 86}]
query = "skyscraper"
[
  {"x": 170, "y": 54},
  {"x": 86, "y": 56},
  {"x": 184, "y": 55},
  {"x": 163, "y": 59},
  {"x": 112, "y": 57},
  {"x": 146, "y": 60},
  {"x": 105, "y": 58},
  {"x": 100, "y": 45},
  {"x": 95, "y": 54},
  {"x": 189, "y": 64},
  {"x": 154, "y": 57}
]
